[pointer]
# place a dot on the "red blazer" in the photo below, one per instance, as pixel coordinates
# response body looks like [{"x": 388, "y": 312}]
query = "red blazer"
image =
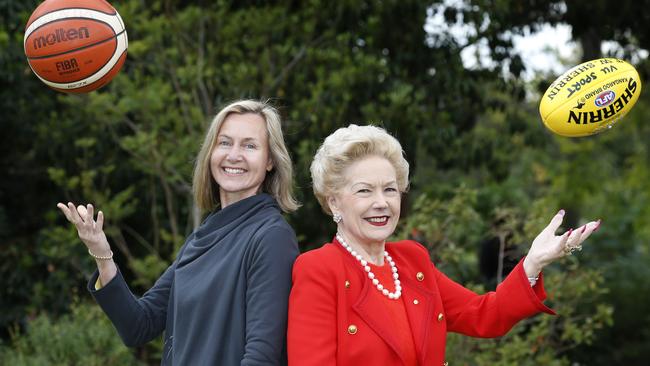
[{"x": 330, "y": 295}]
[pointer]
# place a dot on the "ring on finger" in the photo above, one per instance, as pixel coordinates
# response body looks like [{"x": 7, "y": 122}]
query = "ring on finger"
[{"x": 569, "y": 249}]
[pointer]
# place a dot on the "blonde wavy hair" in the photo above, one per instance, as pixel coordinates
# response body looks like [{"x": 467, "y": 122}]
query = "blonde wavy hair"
[
  {"x": 278, "y": 182},
  {"x": 347, "y": 145}
]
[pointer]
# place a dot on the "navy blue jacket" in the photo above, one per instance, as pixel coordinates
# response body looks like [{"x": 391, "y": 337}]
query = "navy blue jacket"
[{"x": 224, "y": 299}]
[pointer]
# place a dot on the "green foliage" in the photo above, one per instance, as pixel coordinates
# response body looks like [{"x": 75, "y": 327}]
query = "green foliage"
[
  {"x": 575, "y": 294},
  {"x": 444, "y": 226},
  {"x": 84, "y": 337}
]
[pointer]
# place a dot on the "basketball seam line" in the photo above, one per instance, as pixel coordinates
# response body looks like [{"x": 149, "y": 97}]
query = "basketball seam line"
[
  {"x": 76, "y": 49},
  {"x": 98, "y": 70},
  {"x": 85, "y": 85},
  {"x": 52, "y": 11},
  {"x": 64, "y": 19},
  {"x": 94, "y": 73}
]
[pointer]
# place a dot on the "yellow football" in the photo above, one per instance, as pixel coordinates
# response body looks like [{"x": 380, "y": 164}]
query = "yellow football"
[{"x": 590, "y": 98}]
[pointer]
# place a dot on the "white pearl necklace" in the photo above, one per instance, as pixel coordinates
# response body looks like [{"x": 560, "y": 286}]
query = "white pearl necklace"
[{"x": 393, "y": 268}]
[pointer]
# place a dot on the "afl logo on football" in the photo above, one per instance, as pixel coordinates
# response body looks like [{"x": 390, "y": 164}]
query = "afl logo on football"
[{"x": 605, "y": 98}]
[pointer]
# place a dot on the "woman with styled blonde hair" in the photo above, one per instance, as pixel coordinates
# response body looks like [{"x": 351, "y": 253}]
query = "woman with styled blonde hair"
[
  {"x": 361, "y": 300},
  {"x": 223, "y": 301}
]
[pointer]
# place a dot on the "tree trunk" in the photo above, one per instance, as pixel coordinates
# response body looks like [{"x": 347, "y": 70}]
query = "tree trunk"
[{"x": 590, "y": 41}]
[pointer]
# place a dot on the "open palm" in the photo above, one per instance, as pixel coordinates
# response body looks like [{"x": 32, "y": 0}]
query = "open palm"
[
  {"x": 548, "y": 247},
  {"x": 90, "y": 231}
]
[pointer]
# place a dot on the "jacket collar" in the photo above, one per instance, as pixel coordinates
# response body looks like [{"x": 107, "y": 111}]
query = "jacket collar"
[{"x": 369, "y": 308}]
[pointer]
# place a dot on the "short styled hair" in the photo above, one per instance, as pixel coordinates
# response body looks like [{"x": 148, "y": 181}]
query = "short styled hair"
[
  {"x": 347, "y": 145},
  {"x": 278, "y": 182}
]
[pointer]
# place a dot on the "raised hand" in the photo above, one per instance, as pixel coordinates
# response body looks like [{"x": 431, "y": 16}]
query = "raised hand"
[
  {"x": 548, "y": 247},
  {"x": 90, "y": 231}
]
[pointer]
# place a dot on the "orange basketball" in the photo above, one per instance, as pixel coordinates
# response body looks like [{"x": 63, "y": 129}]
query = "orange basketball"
[{"x": 75, "y": 46}]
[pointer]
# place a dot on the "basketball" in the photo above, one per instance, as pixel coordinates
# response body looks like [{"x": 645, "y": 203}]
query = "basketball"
[
  {"x": 75, "y": 46},
  {"x": 590, "y": 98}
]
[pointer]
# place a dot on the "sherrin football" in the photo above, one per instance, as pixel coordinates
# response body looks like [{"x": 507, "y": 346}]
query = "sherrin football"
[{"x": 590, "y": 98}]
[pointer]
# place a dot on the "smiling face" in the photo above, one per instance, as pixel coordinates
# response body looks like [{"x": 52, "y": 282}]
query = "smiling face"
[
  {"x": 368, "y": 202},
  {"x": 240, "y": 157}
]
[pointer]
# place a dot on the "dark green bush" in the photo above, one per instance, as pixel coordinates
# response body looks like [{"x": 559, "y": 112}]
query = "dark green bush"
[{"x": 83, "y": 337}]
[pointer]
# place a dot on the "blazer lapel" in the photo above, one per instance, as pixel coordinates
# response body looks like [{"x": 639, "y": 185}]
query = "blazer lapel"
[
  {"x": 419, "y": 313},
  {"x": 371, "y": 310},
  {"x": 419, "y": 305}
]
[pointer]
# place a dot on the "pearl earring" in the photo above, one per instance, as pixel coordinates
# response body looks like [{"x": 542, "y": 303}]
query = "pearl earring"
[{"x": 337, "y": 217}]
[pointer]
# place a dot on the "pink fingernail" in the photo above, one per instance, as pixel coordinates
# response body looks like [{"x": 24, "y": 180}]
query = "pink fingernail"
[
  {"x": 570, "y": 231},
  {"x": 561, "y": 212},
  {"x": 597, "y": 225}
]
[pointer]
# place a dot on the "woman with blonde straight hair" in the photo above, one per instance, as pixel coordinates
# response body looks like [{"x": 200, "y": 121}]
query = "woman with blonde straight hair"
[
  {"x": 278, "y": 182},
  {"x": 224, "y": 300}
]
